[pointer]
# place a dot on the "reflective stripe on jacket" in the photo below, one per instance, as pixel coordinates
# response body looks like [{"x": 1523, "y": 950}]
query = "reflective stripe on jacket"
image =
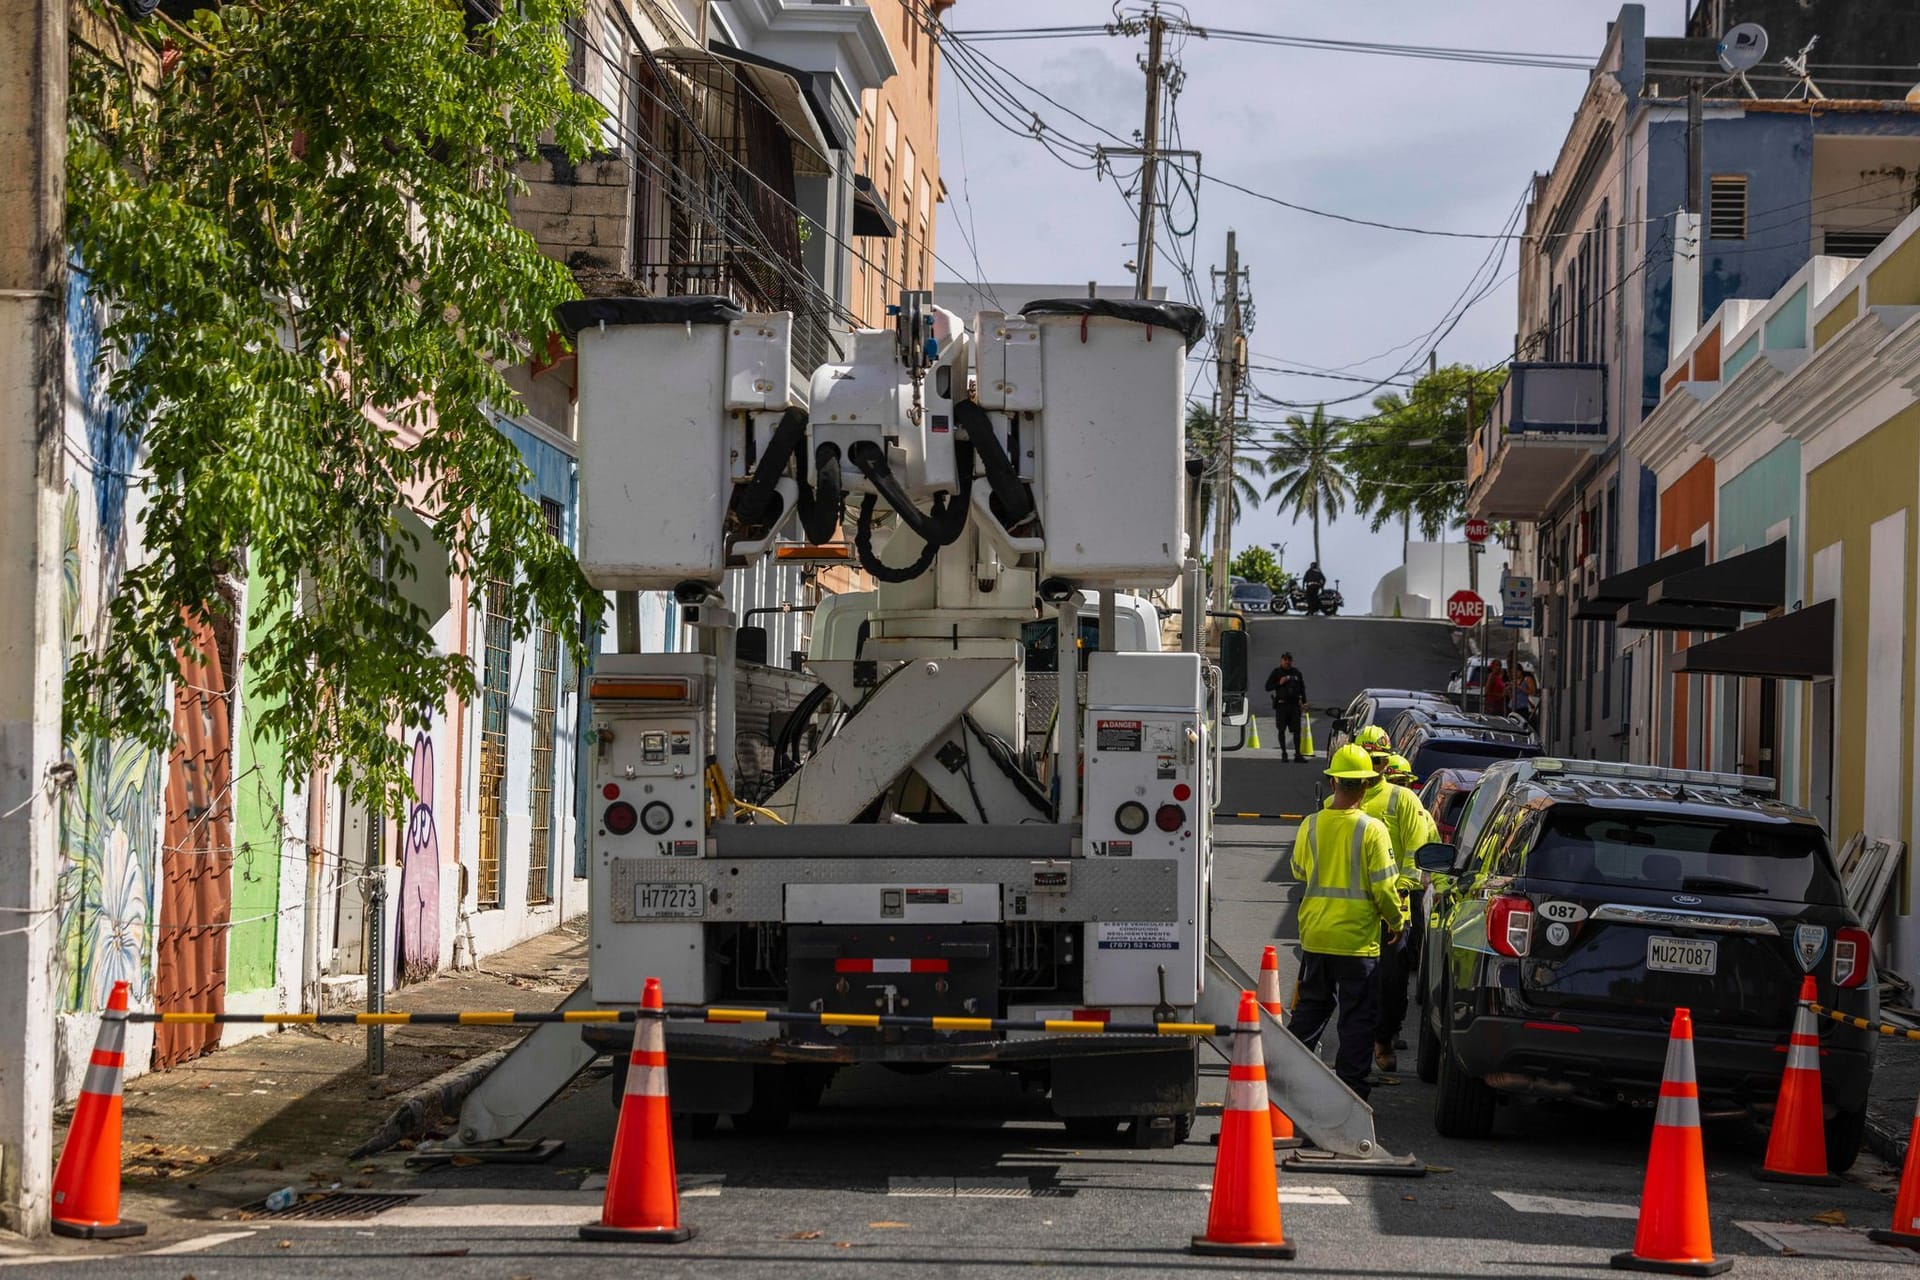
[
  {"x": 1407, "y": 822},
  {"x": 1345, "y": 864}
]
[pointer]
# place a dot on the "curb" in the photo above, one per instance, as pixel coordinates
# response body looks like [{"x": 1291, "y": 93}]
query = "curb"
[
  {"x": 1887, "y": 1141},
  {"x": 421, "y": 1105}
]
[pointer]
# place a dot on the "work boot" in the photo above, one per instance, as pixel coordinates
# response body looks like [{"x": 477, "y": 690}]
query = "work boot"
[{"x": 1384, "y": 1058}]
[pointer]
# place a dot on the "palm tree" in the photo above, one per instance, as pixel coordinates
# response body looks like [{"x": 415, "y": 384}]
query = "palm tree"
[
  {"x": 1203, "y": 441},
  {"x": 1308, "y": 475}
]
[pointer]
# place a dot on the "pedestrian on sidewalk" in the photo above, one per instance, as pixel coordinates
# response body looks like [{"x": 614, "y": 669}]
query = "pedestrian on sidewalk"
[
  {"x": 1495, "y": 690},
  {"x": 1349, "y": 898},
  {"x": 1289, "y": 690}
]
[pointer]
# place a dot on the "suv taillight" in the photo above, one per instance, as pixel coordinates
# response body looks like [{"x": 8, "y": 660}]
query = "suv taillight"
[
  {"x": 1852, "y": 957},
  {"x": 1510, "y": 925}
]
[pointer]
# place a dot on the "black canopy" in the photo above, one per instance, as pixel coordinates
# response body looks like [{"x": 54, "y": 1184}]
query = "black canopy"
[
  {"x": 1793, "y": 646},
  {"x": 1631, "y": 585},
  {"x": 1754, "y": 580}
]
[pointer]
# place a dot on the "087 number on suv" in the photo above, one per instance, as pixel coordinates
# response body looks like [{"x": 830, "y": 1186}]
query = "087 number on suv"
[{"x": 1573, "y": 916}]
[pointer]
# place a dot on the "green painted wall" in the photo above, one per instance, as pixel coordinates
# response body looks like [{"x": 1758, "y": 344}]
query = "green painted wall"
[
  {"x": 259, "y": 765},
  {"x": 1787, "y": 328},
  {"x": 1750, "y": 504}
]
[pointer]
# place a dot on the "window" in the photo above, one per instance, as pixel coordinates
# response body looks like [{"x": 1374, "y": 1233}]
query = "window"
[
  {"x": 1727, "y": 209},
  {"x": 1602, "y": 261},
  {"x": 497, "y": 670},
  {"x": 909, "y": 29},
  {"x": 546, "y": 700},
  {"x": 1851, "y": 244},
  {"x": 1788, "y": 863}
]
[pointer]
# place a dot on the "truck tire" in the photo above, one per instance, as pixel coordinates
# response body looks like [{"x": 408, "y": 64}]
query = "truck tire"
[
  {"x": 1845, "y": 1134},
  {"x": 1462, "y": 1104}
]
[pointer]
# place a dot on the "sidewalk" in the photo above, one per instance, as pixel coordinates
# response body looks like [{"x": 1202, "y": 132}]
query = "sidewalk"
[
  {"x": 286, "y": 1109},
  {"x": 1890, "y": 1103}
]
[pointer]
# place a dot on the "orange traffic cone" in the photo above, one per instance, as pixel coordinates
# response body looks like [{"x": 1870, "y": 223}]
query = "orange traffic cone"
[
  {"x": 86, "y": 1183},
  {"x": 1243, "y": 1214},
  {"x": 1906, "y": 1206},
  {"x": 1797, "y": 1144},
  {"x": 643, "y": 1194},
  {"x": 1674, "y": 1234},
  {"x": 1269, "y": 992}
]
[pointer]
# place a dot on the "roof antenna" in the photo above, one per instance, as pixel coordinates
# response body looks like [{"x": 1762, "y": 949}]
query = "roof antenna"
[{"x": 1797, "y": 64}]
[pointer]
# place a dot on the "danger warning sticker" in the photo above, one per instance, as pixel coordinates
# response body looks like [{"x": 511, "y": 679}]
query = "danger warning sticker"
[
  {"x": 1138, "y": 935},
  {"x": 1116, "y": 735}
]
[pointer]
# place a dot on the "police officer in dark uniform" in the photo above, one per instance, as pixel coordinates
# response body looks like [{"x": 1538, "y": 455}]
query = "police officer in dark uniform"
[{"x": 1289, "y": 690}]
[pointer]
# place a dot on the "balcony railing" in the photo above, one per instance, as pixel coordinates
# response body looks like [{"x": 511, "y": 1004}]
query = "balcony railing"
[{"x": 1549, "y": 420}]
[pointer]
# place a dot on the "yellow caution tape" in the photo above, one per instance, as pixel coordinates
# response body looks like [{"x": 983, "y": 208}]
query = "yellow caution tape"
[{"x": 1883, "y": 1028}]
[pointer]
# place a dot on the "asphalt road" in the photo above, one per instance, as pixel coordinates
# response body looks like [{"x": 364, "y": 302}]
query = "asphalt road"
[{"x": 959, "y": 1174}]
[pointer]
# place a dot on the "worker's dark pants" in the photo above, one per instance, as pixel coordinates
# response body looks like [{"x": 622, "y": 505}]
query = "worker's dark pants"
[
  {"x": 1349, "y": 983},
  {"x": 1398, "y": 963},
  {"x": 1287, "y": 721}
]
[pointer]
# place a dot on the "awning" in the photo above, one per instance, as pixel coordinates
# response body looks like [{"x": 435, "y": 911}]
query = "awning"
[
  {"x": 1793, "y": 646},
  {"x": 1632, "y": 584},
  {"x": 1638, "y": 615},
  {"x": 1754, "y": 580},
  {"x": 870, "y": 216},
  {"x": 787, "y": 92}
]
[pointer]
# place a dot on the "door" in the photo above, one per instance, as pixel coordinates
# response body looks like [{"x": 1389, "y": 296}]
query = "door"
[{"x": 196, "y": 856}]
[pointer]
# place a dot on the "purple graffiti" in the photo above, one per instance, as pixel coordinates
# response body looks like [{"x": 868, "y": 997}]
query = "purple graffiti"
[{"x": 420, "y": 873}]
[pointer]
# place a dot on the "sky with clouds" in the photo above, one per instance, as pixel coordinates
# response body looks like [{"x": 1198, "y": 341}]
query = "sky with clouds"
[{"x": 1441, "y": 145}]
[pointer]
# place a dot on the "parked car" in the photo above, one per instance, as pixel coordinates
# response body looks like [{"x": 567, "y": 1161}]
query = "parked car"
[
  {"x": 1445, "y": 737},
  {"x": 1252, "y": 597},
  {"x": 1445, "y": 794},
  {"x": 1375, "y": 706},
  {"x": 1582, "y": 902}
]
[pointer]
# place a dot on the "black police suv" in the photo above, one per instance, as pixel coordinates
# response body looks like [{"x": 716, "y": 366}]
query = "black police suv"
[
  {"x": 1581, "y": 903},
  {"x": 1444, "y": 737}
]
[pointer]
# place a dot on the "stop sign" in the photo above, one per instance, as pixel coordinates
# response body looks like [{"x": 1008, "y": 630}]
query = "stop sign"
[
  {"x": 1465, "y": 609},
  {"x": 1476, "y": 531}
]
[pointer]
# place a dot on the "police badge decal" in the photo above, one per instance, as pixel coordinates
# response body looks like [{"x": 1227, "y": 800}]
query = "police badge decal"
[{"x": 1810, "y": 943}]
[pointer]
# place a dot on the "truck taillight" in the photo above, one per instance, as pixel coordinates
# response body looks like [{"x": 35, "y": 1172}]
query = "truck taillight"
[
  {"x": 1852, "y": 957},
  {"x": 620, "y": 818},
  {"x": 1510, "y": 925},
  {"x": 1169, "y": 817}
]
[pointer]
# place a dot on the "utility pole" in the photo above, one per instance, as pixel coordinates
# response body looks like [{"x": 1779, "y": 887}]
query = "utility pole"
[
  {"x": 33, "y": 346},
  {"x": 1149, "y": 154},
  {"x": 1229, "y": 383}
]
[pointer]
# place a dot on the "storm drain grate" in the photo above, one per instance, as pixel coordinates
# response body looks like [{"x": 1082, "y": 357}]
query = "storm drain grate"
[
  {"x": 951, "y": 1188},
  {"x": 326, "y": 1206}
]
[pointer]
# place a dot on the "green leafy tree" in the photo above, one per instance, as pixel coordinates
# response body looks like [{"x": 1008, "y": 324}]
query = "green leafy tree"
[
  {"x": 1203, "y": 442},
  {"x": 298, "y": 216},
  {"x": 1257, "y": 564},
  {"x": 1410, "y": 459},
  {"x": 1306, "y": 461}
]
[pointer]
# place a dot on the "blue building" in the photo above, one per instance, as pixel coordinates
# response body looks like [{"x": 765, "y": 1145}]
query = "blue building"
[{"x": 1616, "y": 276}]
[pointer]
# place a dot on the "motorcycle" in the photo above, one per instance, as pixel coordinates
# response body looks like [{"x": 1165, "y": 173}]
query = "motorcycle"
[{"x": 1329, "y": 603}]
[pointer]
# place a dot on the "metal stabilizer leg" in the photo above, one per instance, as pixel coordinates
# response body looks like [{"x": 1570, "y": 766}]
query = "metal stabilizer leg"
[{"x": 1338, "y": 1121}]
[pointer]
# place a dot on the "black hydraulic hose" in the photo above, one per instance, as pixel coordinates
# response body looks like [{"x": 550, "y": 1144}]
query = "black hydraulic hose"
[
  {"x": 823, "y": 504},
  {"x": 1016, "y": 503},
  {"x": 871, "y": 459},
  {"x": 870, "y": 560},
  {"x": 754, "y": 499}
]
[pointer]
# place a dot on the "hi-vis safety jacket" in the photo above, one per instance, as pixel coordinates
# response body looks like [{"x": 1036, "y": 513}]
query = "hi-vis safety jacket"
[
  {"x": 1408, "y": 824},
  {"x": 1344, "y": 861}
]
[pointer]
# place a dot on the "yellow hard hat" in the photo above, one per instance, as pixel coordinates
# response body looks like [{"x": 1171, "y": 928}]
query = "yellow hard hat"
[
  {"x": 1398, "y": 767},
  {"x": 1374, "y": 739},
  {"x": 1351, "y": 761}
]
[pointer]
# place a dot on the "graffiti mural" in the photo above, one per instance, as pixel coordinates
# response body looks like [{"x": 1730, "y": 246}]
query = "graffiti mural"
[{"x": 420, "y": 873}]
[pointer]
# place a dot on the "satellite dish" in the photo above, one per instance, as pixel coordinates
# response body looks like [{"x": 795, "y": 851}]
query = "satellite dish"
[{"x": 1742, "y": 47}]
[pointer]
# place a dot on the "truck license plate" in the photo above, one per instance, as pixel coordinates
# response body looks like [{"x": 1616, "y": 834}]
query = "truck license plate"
[
  {"x": 1682, "y": 955},
  {"x": 658, "y": 901}
]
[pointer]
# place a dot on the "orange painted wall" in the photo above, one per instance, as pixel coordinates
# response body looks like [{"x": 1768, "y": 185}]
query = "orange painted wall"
[
  {"x": 1706, "y": 359},
  {"x": 1686, "y": 505}
]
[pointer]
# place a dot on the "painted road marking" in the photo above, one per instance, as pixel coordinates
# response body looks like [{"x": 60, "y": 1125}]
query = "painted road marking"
[
  {"x": 1290, "y": 1194},
  {"x": 1812, "y": 1240},
  {"x": 970, "y": 1188},
  {"x": 692, "y": 1185},
  {"x": 198, "y": 1243},
  {"x": 1567, "y": 1208}
]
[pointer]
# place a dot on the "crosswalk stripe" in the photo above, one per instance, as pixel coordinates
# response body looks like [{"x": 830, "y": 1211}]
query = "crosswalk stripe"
[
  {"x": 692, "y": 1185},
  {"x": 1294, "y": 1194},
  {"x": 1558, "y": 1207}
]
